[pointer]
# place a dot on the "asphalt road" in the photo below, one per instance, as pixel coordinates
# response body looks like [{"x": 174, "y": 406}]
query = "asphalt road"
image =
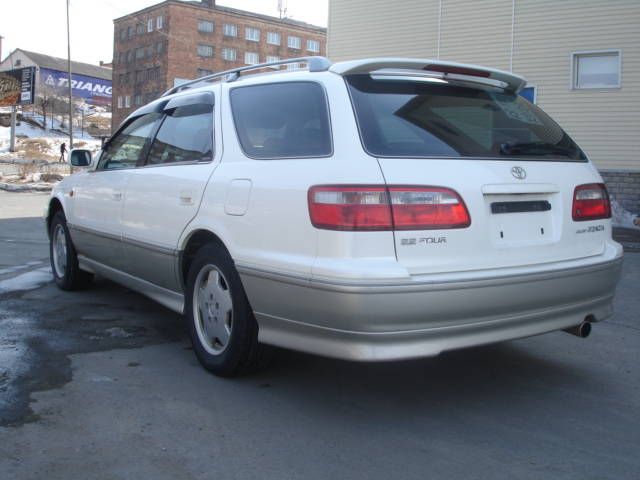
[{"x": 103, "y": 384}]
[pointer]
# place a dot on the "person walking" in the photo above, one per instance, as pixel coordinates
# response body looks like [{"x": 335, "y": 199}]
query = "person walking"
[{"x": 63, "y": 150}]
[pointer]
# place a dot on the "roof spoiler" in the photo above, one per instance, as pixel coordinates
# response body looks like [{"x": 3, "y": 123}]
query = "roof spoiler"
[{"x": 432, "y": 68}]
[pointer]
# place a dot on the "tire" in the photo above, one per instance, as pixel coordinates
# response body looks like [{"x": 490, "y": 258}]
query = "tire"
[
  {"x": 223, "y": 330},
  {"x": 64, "y": 260}
]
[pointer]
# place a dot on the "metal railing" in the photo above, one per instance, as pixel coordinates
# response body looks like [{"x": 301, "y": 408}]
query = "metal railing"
[{"x": 314, "y": 64}]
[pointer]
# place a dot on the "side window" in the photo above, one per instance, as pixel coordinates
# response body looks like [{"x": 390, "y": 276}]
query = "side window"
[
  {"x": 186, "y": 135},
  {"x": 282, "y": 120},
  {"x": 128, "y": 146}
]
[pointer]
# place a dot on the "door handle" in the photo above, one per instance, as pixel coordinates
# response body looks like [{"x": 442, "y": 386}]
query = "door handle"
[
  {"x": 186, "y": 197},
  {"x": 116, "y": 195}
]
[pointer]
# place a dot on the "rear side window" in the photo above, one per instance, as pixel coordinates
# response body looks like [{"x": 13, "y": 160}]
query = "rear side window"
[
  {"x": 127, "y": 147},
  {"x": 282, "y": 120},
  {"x": 186, "y": 135},
  {"x": 403, "y": 118}
]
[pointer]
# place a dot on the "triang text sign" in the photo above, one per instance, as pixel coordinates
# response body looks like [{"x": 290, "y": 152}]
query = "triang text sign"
[{"x": 93, "y": 90}]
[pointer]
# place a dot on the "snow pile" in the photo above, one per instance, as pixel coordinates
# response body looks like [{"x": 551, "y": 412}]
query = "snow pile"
[
  {"x": 621, "y": 217},
  {"x": 26, "y": 281}
]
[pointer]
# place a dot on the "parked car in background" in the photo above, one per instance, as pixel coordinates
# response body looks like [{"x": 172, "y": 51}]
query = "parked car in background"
[{"x": 378, "y": 209}]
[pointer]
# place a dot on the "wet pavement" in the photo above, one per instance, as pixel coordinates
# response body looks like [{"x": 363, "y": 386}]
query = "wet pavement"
[{"x": 102, "y": 384}]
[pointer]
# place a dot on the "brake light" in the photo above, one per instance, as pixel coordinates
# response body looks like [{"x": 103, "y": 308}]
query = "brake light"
[
  {"x": 591, "y": 202},
  {"x": 361, "y": 208},
  {"x": 472, "y": 72}
]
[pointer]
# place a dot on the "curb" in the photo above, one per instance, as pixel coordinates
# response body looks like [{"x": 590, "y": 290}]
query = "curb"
[{"x": 12, "y": 187}]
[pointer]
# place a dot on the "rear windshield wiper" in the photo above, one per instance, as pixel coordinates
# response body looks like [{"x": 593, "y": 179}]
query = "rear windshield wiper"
[{"x": 535, "y": 148}]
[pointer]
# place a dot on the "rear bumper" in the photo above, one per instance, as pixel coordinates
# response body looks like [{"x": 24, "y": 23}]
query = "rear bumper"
[{"x": 423, "y": 318}]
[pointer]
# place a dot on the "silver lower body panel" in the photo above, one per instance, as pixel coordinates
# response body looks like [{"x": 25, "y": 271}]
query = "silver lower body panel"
[{"x": 392, "y": 322}]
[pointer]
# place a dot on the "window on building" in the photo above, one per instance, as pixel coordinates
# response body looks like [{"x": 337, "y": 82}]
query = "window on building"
[
  {"x": 150, "y": 25},
  {"x": 230, "y": 30},
  {"x": 159, "y": 22},
  {"x": 121, "y": 79},
  {"x": 251, "y": 58},
  {"x": 229, "y": 54},
  {"x": 186, "y": 135},
  {"x": 140, "y": 76},
  {"x": 130, "y": 54},
  {"x": 293, "y": 67},
  {"x": 313, "y": 46},
  {"x": 273, "y": 38},
  {"x": 130, "y": 32},
  {"x": 294, "y": 42},
  {"x": 600, "y": 69},
  {"x": 120, "y": 103},
  {"x": 140, "y": 28},
  {"x": 203, "y": 72},
  {"x": 272, "y": 58},
  {"x": 122, "y": 57},
  {"x": 127, "y": 78},
  {"x": 137, "y": 99},
  {"x": 252, "y": 34},
  {"x": 205, "y": 50},
  {"x": 282, "y": 120},
  {"x": 123, "y": 34},
  {"x": 159, "y": 48},
  {"x": 205, "y": 26},
  {"x": 139, "y": 53},
  {"x": 127, "y": 101}
]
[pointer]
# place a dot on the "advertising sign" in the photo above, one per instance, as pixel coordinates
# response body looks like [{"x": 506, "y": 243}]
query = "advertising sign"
[
  {"x": 17, "y": 86},
  {"x": 95, "y": 91}
]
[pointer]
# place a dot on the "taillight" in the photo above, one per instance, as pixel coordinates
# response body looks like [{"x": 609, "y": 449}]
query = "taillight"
[
  {"x": 426, "y": 208},
  {"x": 350, "y": 208},
  {"x": 339, "y": 207},
  {"x": 591, "y": 202}
]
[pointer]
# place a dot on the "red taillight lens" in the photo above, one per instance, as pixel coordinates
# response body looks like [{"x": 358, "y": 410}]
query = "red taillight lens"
[
  {"x": 427, "y": 208},
  {"x": 591, "y": 202},
  {"x": 340, "y": 207},
  {"x": 350, "y": 208}
]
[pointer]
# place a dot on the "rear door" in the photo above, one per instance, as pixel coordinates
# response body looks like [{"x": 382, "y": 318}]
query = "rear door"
[
  {"x": 164, "y": 193},
  {"x": 514, "y": 169}
]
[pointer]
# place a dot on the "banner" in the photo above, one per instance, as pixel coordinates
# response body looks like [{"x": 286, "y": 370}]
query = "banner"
[
  {"x": 95, "y": 91},
  {"x": 17, "y": 86}
]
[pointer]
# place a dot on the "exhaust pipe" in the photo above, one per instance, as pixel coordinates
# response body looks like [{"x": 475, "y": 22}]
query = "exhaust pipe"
[{"x": 582, "y": 330}]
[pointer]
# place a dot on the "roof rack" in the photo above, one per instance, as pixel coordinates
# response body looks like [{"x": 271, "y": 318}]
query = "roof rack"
[{"x": 314, "y": 64}]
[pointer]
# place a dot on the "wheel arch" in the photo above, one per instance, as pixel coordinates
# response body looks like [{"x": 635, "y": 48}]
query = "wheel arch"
[
  {"x": 191, "y": 244},
  {"x": 55, "y": 206}
]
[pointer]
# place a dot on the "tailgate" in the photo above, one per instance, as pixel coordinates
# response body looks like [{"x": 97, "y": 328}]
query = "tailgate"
[{"x": 513, "y": 222}]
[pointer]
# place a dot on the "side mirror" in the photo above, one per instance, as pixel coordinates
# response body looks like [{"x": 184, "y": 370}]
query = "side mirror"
[{"x": 80, "y": 157}]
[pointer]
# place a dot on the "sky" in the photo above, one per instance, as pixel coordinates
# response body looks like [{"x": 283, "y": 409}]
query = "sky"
[{"x": 40, "y": 25}]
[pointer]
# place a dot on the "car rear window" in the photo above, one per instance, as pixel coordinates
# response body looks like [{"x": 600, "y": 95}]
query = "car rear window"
[
  {"x": 405, "y": 118},
  {"x": 282, "y": 120}
]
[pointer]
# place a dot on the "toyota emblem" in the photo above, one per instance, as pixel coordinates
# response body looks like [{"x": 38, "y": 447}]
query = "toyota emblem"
[{"x": 519, "y": 173}]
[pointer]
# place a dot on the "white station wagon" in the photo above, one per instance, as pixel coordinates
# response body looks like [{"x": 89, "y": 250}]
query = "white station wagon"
[{"x": 378, "y": 209}]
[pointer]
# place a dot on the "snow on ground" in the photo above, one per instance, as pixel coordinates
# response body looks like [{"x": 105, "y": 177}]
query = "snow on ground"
[
  {"x": 35, "y": 143},
  {"x": 5, "y": 271},
  {"x": 623, "y": 218},
  {"x": 26, "y": 281}
]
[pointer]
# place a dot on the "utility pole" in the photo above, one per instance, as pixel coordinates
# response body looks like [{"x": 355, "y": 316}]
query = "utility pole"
[
  {"x": 70, "y": 89},
  {"x": 12, "y": 141}
]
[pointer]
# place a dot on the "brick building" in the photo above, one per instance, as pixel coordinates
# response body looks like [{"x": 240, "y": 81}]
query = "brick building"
[{"x": 177, "y": 39}]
